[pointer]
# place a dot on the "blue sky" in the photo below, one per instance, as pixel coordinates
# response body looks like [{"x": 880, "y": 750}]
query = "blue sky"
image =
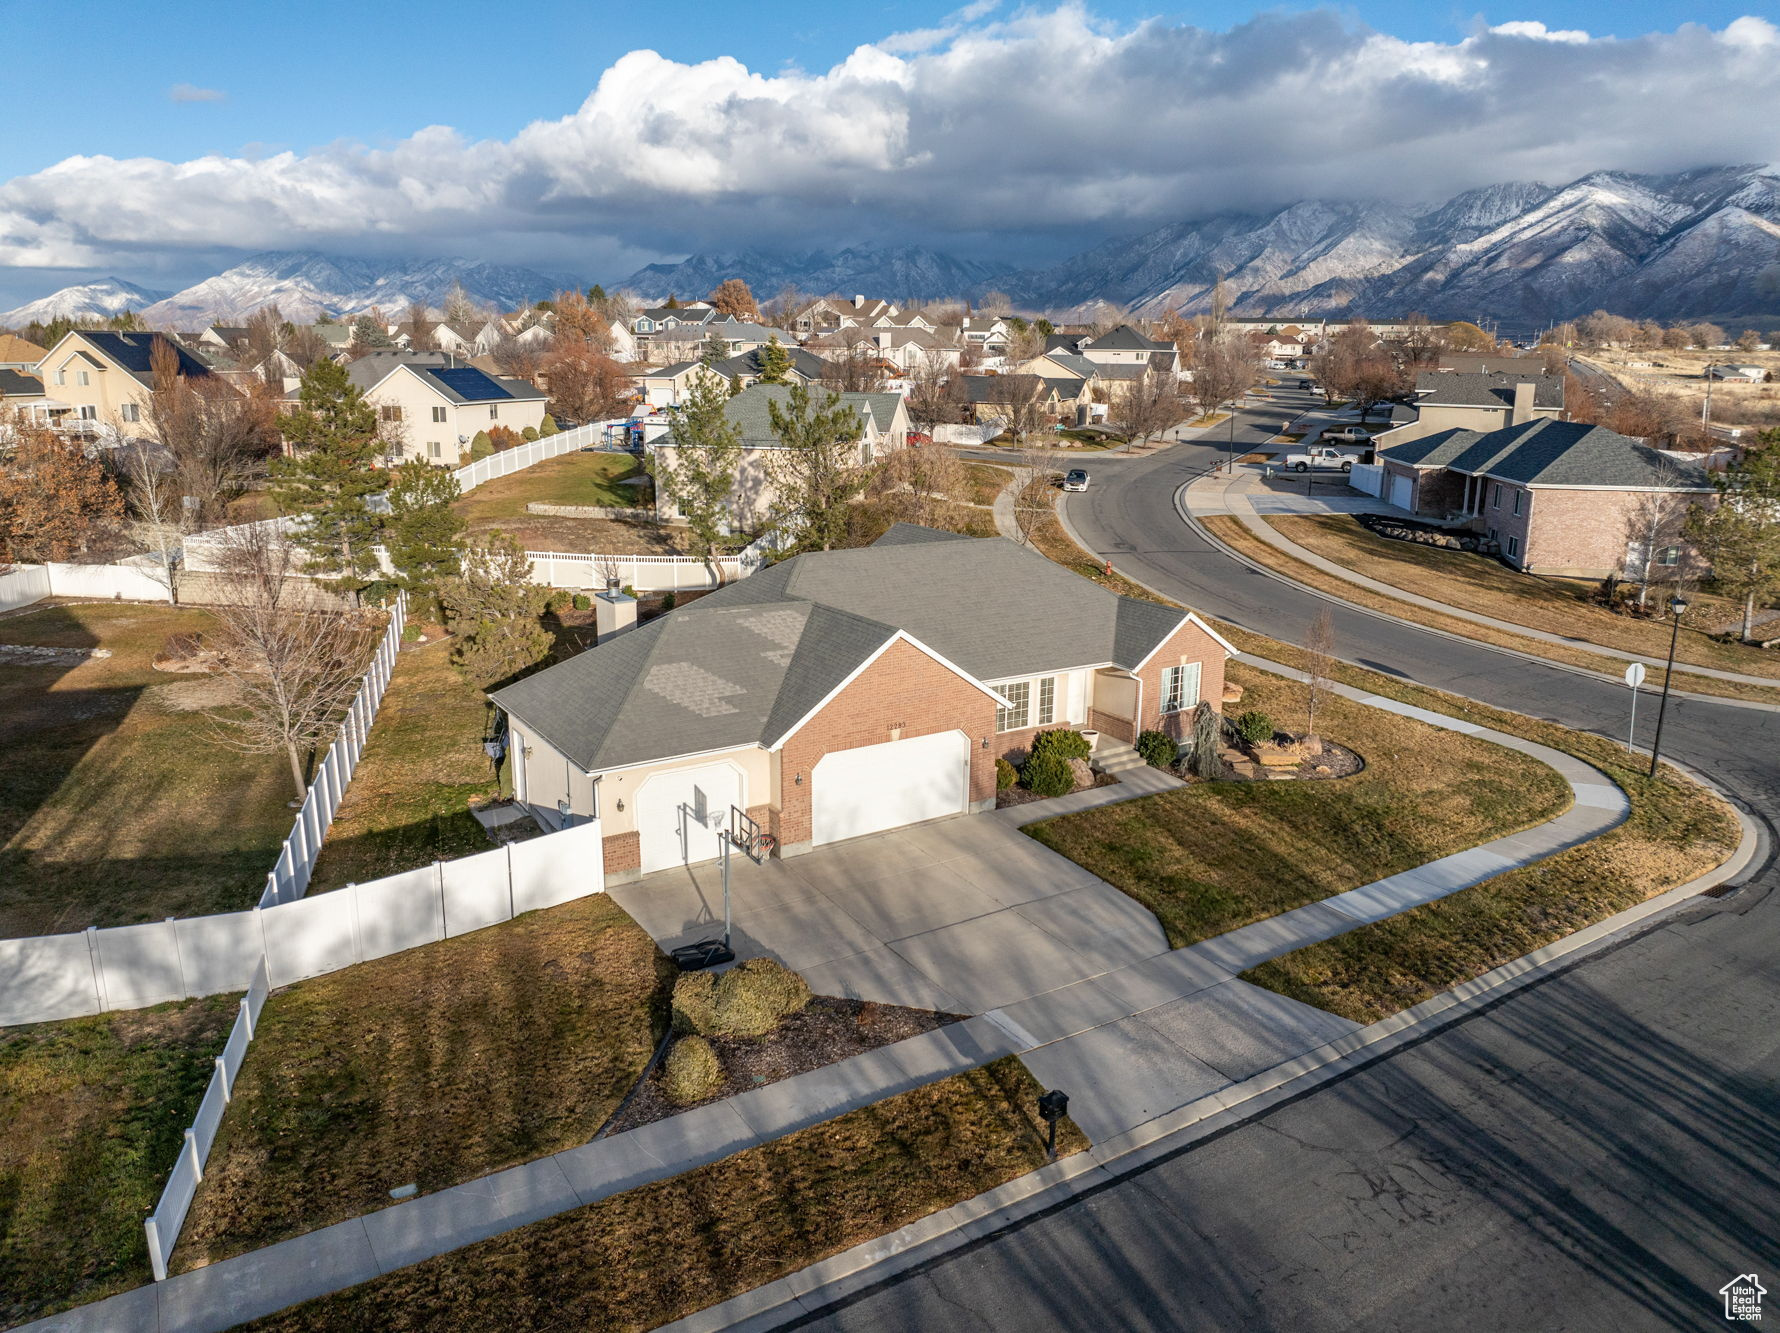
[
  {"x": 324, "y": 70},
  {"x": 548, "y": 134}
]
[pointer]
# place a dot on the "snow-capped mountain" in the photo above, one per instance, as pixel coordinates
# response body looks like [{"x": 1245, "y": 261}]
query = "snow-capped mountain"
[
  {"x": 304, "y": 285},
  {"x": 90, "y": 300},
  {"x": 1702, "y": 243},
  {"x": 903, "y": 273}
]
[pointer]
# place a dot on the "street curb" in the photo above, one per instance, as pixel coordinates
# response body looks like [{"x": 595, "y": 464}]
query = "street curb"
[
  {"x": 1191, "y": 521},
  {"x": 835, "y": 1280}
]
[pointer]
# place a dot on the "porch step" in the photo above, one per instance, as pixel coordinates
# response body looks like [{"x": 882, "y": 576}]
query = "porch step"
[{"x": 1117, "y": 757}]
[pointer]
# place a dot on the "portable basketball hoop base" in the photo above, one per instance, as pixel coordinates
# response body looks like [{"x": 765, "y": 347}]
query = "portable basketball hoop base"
[{"x": 743, "y": 833}]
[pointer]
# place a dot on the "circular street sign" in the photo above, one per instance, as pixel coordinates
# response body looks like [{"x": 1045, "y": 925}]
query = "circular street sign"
[{"x": 1634, "y": 675}]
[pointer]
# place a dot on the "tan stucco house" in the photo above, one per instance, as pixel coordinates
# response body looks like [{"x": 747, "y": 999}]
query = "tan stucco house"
[
  {"x": 843, "y": 693},
  {"x": 430, "y": 405},
  {"x": 1476, "y": 401},
  {"x": 99, "y": 379}
]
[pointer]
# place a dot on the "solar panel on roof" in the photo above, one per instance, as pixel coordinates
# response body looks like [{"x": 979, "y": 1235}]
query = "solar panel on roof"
[{"x": 468, "y": 382}]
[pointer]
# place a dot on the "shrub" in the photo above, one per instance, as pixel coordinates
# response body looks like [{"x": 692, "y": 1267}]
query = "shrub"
[
  {"x": 1006, "y": 775},
  {"x": 669, "y": 601},
  {"x": 1157, "y": 749},
  {"x": 1047, "y": 775},
  {"x": 503, "y": 438},
  {"x": 529, "y": 434},
  {"x": 410, "y": 633},
  {"x": 581, "y": 602},
  {"x": 1063, "y": 743},
  {"x": 378, "y": 592},
  {"x": 1207, "y": 731},
  {"x": 481, "y": 446},
  {"x": 749, "y": 1000},
  {"x": 1254, "y": 727},
  {"x": 691, "y": 1072},
  {"x": 547, "y": 426},
  {"x": 560, "y": 600}
]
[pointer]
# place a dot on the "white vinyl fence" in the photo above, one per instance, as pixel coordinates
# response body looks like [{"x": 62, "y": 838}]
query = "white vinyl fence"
[
  {"x": 508, "y": 461},
  {"x": 645, "y": 573},
  {"x": 268, "y": 947},
  {"x": 168, "y": 1217},
  {"x": 289, "y": 878},
  {"x": 25, "y": 584},
  {"x": 979, "y": 433},
  {"x": 1368, "y": 477}
]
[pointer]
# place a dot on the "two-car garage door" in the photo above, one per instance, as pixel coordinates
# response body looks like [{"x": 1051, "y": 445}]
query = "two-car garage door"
[{"x": 877, "y": 787}]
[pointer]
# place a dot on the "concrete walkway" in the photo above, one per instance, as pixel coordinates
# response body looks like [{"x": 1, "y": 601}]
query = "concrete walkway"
[
  {"x": 1061, "y": 969},
  {"x": 1246, "y": 498}
]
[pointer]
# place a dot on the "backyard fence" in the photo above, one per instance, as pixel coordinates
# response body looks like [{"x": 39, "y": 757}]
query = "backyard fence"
[
  {"x": 288, "y": 879},
  {"x": 591, "y": 436},
  {"x": 25, "y": 584},
  {"x": 1368, "y": 477},
  {"x": 168, "y": 1217},
  {"x": 644, "y": 573}
]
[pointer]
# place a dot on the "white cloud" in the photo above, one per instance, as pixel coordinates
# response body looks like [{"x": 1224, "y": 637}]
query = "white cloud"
[
  {"x": 190, "y": 92},
  {"x": 1035, "y": 126}
]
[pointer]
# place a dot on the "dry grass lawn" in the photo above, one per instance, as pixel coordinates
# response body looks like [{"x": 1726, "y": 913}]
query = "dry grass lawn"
[
  {"x": 984, "y": 481},
  {"x": 408, "y": 802},
  {"x": 1554, "y": 606},
  {"x": 94, "y": 1110},
  {"x": 116, "y": 803},
  {"x": 1214, "y": 856},
  {"x": 583, "y": 478},
  {"x": 431, "y": 1067},
  {"x": 660, "y": 1252},
  {"x": 1680, "y": 374}
]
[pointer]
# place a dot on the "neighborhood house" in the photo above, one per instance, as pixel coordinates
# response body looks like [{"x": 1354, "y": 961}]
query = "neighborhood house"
[
  {"x": 843, "y": 693},
  {"x": 432, "y": 408}
]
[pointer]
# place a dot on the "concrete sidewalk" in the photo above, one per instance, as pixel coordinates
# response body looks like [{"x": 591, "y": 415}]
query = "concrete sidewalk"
[{"x": 1245, "y": 498}]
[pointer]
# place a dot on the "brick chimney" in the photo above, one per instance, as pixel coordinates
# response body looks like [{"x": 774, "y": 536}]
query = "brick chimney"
[{"x": 1523, "y": 403}]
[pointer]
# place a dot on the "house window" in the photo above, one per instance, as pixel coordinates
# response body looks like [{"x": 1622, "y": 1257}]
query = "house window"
[
  {"x": 494, "y": 411},
  {"x": 62, "y": 375},
  {"x": 432, "y": 448},
  {"x": 1019, "y": 698},
  {"x": 130, "y": 412},
  {"x": 389, "y": 412},
  {"x": 1671, "y": 556},
  {"x": 88, "y": 412},
  {"x": 1518, "y": 497},
  {"x": 1496, "y": 496},
  {"x": 82, "y": 378},
  {"x": 1513, "y": 547},
  {"x": 438, "y": 414},
  {"x": 1180, "y": 687},
  {"x": 1047, "y": 701}
]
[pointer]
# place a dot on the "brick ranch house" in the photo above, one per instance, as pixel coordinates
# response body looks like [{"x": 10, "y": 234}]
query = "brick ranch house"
[
  {"x": 843, "y": 693},
  {"x": 1562, "y": 497}
]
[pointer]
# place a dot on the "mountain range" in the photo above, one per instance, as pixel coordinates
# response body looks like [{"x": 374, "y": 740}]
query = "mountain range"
[{"x": 1700, "y": 244}]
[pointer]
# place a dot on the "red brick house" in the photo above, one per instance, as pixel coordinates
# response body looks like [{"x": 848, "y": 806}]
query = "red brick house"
[
  {"x": 1560, "y": 497},
  {"x": 843, "y": 693}
]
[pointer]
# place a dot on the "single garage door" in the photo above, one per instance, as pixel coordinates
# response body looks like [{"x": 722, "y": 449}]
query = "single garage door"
[
  {"x": 877, "y": 787},
  {"x": 1401, "y": 491},
  {"x": 680, "y": 814}
]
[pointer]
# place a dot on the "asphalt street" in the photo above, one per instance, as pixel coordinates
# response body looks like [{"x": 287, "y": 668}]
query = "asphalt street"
[{"x": 1600, "y": 1151}]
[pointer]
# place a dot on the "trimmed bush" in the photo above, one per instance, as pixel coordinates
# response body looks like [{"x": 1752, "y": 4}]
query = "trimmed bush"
[
  {"x": 1047, "y": 775},
  {"x": 410, "y": 633},
  {"x": 669, "y": 601},
  {"x": 1157, "y": 749},
  {"x": 1063, "y": 743},
  {"x": 547, "y": 427},
  {"x": 560, "y": 600},
  {"x": 581, "y": 602},
  {"x": 1254, "y": 727},
  {"x": 1006, "y": 775},
  {"x": 749, "y": 1000},
  {"x": 529, "y": 434},
  {"x": 481, "y": 446},
  {"x": 691, "y": 1072}
]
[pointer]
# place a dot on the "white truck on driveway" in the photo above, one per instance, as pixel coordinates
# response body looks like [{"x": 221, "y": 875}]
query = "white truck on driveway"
[{"x": 1321, "y": 458}]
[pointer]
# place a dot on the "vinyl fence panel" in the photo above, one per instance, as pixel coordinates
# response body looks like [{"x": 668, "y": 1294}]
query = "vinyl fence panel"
[
  {"x": 478, "y": 891},
  {"x": 140, "y": 965},
  {"x": 219, "y": 953},
  {"x": 399, "y": 912},
  {"x": 559, "y": 868},
  {"x": 46, "y": 977},
  {"x": 309, "y": 937}
]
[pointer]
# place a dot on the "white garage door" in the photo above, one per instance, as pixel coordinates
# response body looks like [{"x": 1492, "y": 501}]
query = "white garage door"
[
  {"x": 680, "y": 814},
  {"x": 886, "y": 786},
  {"x": 1401, "y": 489}
]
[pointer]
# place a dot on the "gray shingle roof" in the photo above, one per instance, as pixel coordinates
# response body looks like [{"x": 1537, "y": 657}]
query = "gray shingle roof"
[
  {"x": 1445, "y": 388},
  {"x": 807, "y": 364},
  {"x": 744, "y": 664},
  {"x": 17, "y": 384},
  {"x": 749, "y": 411},
  {"x": 1127, "y": 339},
  {"x": 1552, "y": 453}
]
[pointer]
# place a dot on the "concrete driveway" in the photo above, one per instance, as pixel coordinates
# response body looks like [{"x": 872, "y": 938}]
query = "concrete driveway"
[{"x": 964, "y": 915}]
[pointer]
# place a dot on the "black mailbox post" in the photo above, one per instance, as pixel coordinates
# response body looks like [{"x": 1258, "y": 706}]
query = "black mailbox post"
[{"x": 1052, "y": 1107}]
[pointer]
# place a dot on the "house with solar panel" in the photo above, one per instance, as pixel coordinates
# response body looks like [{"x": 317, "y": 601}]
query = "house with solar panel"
[
  {"x": 430, "y": 405},
  {"x": 98, "y": 382}
]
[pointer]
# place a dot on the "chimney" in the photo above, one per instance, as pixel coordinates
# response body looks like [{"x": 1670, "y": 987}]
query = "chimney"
[
  {"x": 858, "y": 303},
  {"x": 883, "y": 337},
  {"x": 613, "y": 614},
  {"x": 1523, "y": 403}
]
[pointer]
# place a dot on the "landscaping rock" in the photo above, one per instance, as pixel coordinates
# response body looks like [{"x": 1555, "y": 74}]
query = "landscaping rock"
[
  {"x": 1232, "y": 694},
  {"x": 1083, "y": 771},
  {"x": 1280, "y": 756}
]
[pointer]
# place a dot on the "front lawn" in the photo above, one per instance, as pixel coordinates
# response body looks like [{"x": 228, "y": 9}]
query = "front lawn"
[
  {"x": 1214, "y": 856},
  {"x": 94, "y": 1111},
  {"x": 655, "y": 1254},
  {"x": 409, "y": 800},
  {"x": 429, "y": 1067},
  {"x": 984, "y": 481},
  {"x": 117, "y": 803},
  {"x": 1484, "y": 585}
]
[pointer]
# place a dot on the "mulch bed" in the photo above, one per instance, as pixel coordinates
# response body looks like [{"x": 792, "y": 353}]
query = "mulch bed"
[
  {"x": 827, "y": 1030},
  {"x": 1020, "y": 796}
]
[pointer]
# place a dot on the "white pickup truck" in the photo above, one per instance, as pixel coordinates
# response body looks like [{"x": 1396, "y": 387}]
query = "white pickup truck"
[{"x": 1321, "y": 458}]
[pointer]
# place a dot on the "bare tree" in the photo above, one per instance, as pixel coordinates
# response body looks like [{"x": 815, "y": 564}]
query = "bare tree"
[
  {"x": 294, "y": 665},
  {"x": 1146, "y": 406},
  {"x": 217, "y": 437},
  {"x": 1319, "y": 665},
  {"x": 1656, "y": 527},
  {"x": 922, "y": 482},
  {"x": 1227, "y": 365},
  {"x": 1033, "y": 502},
  {"x": 158, "y": 516},
  {"x": 1024, "y": 341},
  {"x": 521, "y": 360},
  {"x": 859, "y": 369},
  {"x": 421, "y": 326},
  {"x": 935, "y": 396}
]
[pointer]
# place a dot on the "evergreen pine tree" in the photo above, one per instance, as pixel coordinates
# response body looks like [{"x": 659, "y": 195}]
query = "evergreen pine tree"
[
  {"x": 775, "y": 363},
  {"x": 818, "y": 471},
  {"x": 422, "y": 529},
  {"x": 329, "y": 478},
  {"x": 699, "y": 473}
]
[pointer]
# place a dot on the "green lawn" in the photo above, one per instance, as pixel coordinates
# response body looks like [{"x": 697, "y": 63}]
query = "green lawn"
[
  {"x": 117, "y": 803},
  {"x": 655, "y": 1254},
  {"x": 430, "y": 1067},
  {"x": 94, "y": 1111},
  {"x": 573, "y": 479},
  {"x": 408, "y": 802},
  {"x": 1214, "y": 856}
]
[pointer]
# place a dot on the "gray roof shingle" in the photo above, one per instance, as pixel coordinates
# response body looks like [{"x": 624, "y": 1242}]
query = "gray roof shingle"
[
  {"x": 1449, "y": 388},
  {"x": 1547, "y": 452}
]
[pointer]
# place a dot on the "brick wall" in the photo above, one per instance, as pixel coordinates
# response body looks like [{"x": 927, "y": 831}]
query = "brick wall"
[
  {"x": 623, "y": 852},
  {"x": 1582, "y": 533},
  {"x": 1189, "y": 643},
  {"x": 904, "y": 688}
]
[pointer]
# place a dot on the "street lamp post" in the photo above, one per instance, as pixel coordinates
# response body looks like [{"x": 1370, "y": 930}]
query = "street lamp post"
[{"x": 1677, "y": 607}]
